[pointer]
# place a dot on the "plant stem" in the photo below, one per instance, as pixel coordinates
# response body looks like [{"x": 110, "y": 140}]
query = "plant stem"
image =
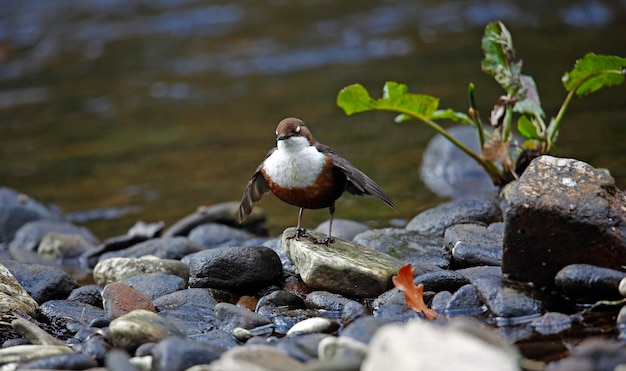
[{"x": 553, "y": 128}]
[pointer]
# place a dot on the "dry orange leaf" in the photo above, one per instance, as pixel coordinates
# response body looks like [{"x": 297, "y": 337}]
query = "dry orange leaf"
[{"x": 414, "y": 295}]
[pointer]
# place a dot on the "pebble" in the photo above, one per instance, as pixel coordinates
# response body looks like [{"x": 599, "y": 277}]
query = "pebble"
[
  {"x": 138, "y": 327},
  {"x": 17, "y": 209},
  {"x": 255, "y": 267},
  {"x": 394, "y": 348},
  {"x": 478, "y": 209},
  {"x": 199, "y": 297},
  {"x": 552, "y": 323},
  {"x": 119, "y": 299},
  {"x": 118, "y": 269},
  {"x": 465, "y": 300},
  {"x": 163, "y": 248},
  {"x": 13, "y": 296},
  {"x": 584, "y": 282},
  {"x": 27, "y": 353},
  {"x": 328, "y": 301},
  {"x": 28, "y": 237},
  {"x": 155, "y": 285},
  {"x": 253, "y": 358},
  {"x": 214, "y": 235},
  {"x": 313, "y": 325},
  {"x": 326, "y": 268},
  {"x": 63, "y": 312},
  {"x": 230, "y": 316},
  {"x": 473, "y": 245},
  {"x": 70, "y": 361},
  {"x": 178, "y": 354},
  {"x": 42, "y": 282},
  {"x": 409, "y": 246},
  {"x": 66, "y": 247},
  {"x": 88, "y": 294},
  {"x": 33, "y": 333}
]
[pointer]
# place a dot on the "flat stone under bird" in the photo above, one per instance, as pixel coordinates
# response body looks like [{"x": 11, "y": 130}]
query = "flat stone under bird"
[{"x": 306, "y": 173}]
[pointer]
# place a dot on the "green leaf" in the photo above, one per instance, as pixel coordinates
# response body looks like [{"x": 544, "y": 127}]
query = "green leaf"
[
  {"x": 499, "y": 62},
  {"x": 450, "y": 114},
  {"x": 355, "y": 98},
  {"x": 594, "y": 72},
  {"x": 527, "y": 128}
]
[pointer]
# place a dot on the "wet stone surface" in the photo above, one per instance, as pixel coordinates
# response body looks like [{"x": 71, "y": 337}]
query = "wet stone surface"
[{"x": 191, "y": 300}]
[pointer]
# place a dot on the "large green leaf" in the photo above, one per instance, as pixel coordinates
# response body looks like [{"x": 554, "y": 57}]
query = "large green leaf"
[
  {"x": 499, "y": 62},
  {"x": 527, "y": 128},
  {"x": 594, "y": 72},
  {"x": 396, "y": 97}
]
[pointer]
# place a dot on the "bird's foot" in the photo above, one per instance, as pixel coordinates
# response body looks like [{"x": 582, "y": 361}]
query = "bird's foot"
[
  {"x": 300, "y": 232},
  {"x": 324, "y": 241}
]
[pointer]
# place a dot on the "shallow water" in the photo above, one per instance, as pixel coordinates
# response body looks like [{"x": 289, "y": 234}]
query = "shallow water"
[{"x": 156, "y": 107}]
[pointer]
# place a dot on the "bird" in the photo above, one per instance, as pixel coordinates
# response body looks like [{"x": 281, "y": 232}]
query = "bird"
[{"x": 306, "y": 173}]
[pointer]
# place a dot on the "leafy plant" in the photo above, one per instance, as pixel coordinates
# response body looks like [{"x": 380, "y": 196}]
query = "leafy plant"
[
  {"x": 414, "y": 295},
  {"x": 502, "y": 157}
]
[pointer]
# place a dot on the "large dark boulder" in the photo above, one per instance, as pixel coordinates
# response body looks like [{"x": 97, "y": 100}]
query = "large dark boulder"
[{"x": 562, "y": 212}]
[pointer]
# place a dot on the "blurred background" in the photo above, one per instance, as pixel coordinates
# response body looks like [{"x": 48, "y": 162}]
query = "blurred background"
[{"x": 147, "y": 109}]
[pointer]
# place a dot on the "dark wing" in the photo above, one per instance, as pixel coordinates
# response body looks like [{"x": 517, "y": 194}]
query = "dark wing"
[
  {"x": 256, "y": 188},
  {"x": 358, "y": 183}
]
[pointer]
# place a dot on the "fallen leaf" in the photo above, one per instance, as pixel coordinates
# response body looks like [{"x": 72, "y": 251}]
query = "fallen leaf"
[{"x": 414, "y": 295}]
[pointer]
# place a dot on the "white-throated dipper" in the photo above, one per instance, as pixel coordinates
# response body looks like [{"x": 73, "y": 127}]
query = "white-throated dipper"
[{"x": 306, "y": 173}]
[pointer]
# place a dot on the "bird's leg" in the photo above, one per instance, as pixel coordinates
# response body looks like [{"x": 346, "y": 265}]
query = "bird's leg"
[
  {"x": 328, "y": 240},
  {"x": 300, "y": 232}
]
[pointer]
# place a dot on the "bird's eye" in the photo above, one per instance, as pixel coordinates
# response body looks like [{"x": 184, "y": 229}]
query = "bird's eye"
[{"x": 298, "y": 129}]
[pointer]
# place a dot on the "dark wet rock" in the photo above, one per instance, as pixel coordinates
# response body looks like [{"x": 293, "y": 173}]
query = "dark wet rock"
[
  {"x": 217, "y": 338},
  {"x": 407, "y": 246},
  {"x": 66, "y": 248},
  {"x": 302, "y": 347},
  {"x": 224, "y": 213},
  {"x": 13, "y": 297},
  {"x": 364, "y": 328},
  {"x": 277, "y": 246},
  {"x": 327, "y": 301},
  {"x": 440, "y": 301},
  {"x": 155, "y": 285},
  {"x": 164, "y": 248},
  {"x": 343, "y": 267},
  {"x": 17, "y": 209},
  {"x": 118, "y": 269},
  {"x": 464, "y": 300},
  {"x": 473, "y": 245},
  {"x": 592, "y": 355},
  {"x": 279, "y": 299},
  {"x": 442, "y": 280},
  {"x": 352, "y": 311},
  {"x": 313, "y": 325},
  {"x": 343, "y": 228},
  {"x": 63, "y": 311},
  {"x": 194, "y": 297},
  {"x": 589, "y": 283},
  {"x": 229, "y": 316},
  {"x": 450, "y": 172},
  {"x": 434, "y": 221},
  {"x": 178, "y": 354},
  {"x": 394, "y": 348},
  {"x": 191, "y": 320},
  {"x": 507, "y": 299},
  {"x": 119, "y": 360},
  {"x": 394, "y": 307},
  {"x": 70, "y": 361},
  {"x": 552, "y": 323},
  {"x": 562, "y": 212},
  {"x": 42, "y": 282},
  {"x": 138, "y": 327},
  {"x": 256, "y": 357},
  {"x": 120, "y": 299},
  {"x": 88, "y": 294},
  {"x": 213, "y": 235},
  {"x": 235, "y": 268},
  {"x": 28, "y": 237},
  {"x": 100, "y": 322}
]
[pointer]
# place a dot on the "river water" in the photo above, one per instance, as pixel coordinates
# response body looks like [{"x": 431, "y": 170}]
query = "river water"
[{"x": 145, "y": 109}]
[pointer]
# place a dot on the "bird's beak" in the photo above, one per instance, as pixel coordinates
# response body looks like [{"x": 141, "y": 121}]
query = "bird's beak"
[{"x": 281, "y": 137}]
